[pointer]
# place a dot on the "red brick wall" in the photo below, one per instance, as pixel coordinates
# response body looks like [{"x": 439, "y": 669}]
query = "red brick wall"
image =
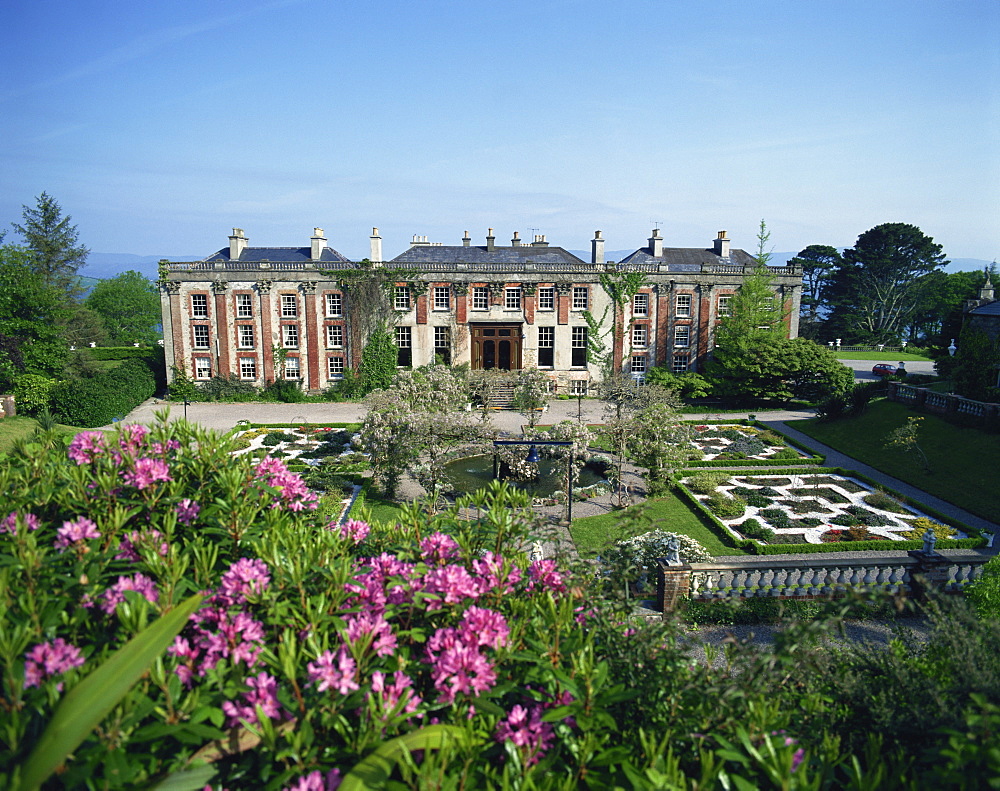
[{"x": 312, "y": 345}]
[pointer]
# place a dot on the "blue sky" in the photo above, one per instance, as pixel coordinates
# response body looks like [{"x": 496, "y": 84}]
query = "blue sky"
[{"x": 160, "y": 126}]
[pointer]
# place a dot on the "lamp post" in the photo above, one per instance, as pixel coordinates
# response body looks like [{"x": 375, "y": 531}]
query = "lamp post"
[
  {"x": 953, "y": 348},
  {"x": 533, "y": 457}
]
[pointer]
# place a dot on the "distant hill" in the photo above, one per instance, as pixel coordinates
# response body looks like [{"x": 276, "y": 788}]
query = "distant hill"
[{"x": 105, "y": 265}]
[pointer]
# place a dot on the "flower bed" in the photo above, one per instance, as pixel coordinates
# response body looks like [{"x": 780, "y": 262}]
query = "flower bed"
[{"x": 730, "y": 445}]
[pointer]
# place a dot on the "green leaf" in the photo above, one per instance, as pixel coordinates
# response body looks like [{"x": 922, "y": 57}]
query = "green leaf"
[
  {"x": 187, "y": 779},
  {"x": 90, "y": 701},
  {"x": 374, "y": 770}
]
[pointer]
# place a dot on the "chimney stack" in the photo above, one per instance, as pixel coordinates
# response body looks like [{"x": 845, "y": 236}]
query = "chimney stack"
[
  {"x": 490, "y": 241},
  {"x": 656, "y": 244},
  {"x": 317, "y": 243},
  {"x": 539, "y": 241},
  {"x": 466, "y": 241},
  {"x": 597, "y": 249},
  {"x": 237, "y": 244},
  {"x": 376, "y": 247},
  {"x": 516, "y": 241},
  {"x": 722, "y": 245}
]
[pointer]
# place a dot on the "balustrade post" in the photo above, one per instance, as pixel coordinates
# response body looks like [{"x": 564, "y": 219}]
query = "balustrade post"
[{"x": 673, "y": 583}]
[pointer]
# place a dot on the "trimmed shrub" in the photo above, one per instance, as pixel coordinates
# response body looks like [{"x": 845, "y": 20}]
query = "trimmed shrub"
[
  {"x": 103, "y": 398},
  {"x": 726, "y": 507},
  {"x": 32, "y": 393},
  {"x": 706, "y": 482}
]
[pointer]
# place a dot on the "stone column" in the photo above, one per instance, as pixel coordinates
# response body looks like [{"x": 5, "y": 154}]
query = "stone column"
[
  {"x": 563, "y": 292},
  {"x": 266, "y": 339},
  {"x": 311, "y": 374},
  {"x": 223, "y": 326},
  {"x": 673, "y": 584}
]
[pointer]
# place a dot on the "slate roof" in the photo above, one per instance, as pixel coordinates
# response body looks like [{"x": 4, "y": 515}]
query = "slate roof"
[
  {"x": 989, "y": 309},
  {"x": 459, "y": 254},
  {"x": 688, "y": 259},
  {"x": 256, "y": 254}
]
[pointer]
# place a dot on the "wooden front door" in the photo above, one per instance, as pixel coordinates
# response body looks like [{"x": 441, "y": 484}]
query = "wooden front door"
[{"x": 496, "y": 346}]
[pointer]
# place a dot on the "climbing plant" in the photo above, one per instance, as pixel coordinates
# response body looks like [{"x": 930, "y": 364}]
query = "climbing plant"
[{"x": 621, "y": 288}]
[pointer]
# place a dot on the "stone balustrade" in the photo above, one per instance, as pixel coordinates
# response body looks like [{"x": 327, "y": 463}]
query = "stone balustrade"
[
  {"x": 942, "y": 403},
  {"x": 816, "y": 576}
]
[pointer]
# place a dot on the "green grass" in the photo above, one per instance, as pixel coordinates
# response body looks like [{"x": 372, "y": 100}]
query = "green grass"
[
  {"x": 964, "y": 461},
  {"x": 881, "y": 356},
  {"x": 15, "y": 428},
  {"x": 591, "y": 534}
]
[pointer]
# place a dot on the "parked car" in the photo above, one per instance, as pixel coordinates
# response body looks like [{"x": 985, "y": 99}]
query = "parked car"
[{"x": 884, "y": 369}]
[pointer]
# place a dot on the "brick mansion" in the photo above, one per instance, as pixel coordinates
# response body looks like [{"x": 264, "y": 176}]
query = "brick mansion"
[{"x": 266, "y": 313}]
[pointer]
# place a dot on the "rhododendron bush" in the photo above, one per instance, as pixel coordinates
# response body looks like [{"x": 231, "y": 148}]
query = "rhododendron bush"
[{"x": 429, "y": 653}]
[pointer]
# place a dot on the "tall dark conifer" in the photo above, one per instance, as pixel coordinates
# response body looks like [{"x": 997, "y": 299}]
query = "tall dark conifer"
[{"x": 52, "y": 241}]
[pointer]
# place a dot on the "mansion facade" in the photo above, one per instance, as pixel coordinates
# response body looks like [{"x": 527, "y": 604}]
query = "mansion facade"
[{"x": 266, "y": 313}]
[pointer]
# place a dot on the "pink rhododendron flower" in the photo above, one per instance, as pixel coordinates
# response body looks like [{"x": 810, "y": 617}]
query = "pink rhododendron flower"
[
  {"x": 438, "y": 547},
  {"x": 367, "y": 623},
  {"x": 46, "y": 660},
  {"x": 452, "y": 583},
  {"x": 187, "y": 511},
  {"x": 263, "y": 692},
  {"x": 86, "y": 447},
  {"x": 490, "y": 569},
  {"x": 9, "y": 523},
  {"x": 245, "y": 576},
  {"x": 392, "y": 696},
  {"x": 485, "y": 627},
  {"x": 149, "y": 538},
  {"x": 354, "y": 530},
  {"x": 315, "y": 781},
  {"x": 334, "y": 671},
  {"x": 294, "y": 493},
  {"x": 139, "y": 583},
  {"x": 544, "y": 576},
  {"x": 131, "y": 439},
  {"x": 146, "y": 472},
  {"x": 71, "y": 532},
  {"x": 527, "y": 732}
]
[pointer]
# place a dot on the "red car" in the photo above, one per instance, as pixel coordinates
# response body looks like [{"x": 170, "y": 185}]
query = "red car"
[{"x": 884, "y": 369}]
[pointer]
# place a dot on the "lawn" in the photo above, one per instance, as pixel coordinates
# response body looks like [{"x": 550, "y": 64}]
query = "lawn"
[
  {"x": 591, "y": 534},
  {"x": 15, "y": 428},
  {"x": 881, "y": 356},
  {"x": 964, "y": 461}
]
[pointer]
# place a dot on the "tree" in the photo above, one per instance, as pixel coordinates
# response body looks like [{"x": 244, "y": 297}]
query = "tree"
[
  {"x": 754, "y": 312},
  {"x": 52, "y": 241},
  {"x": 880, "y": 283},
  {"x": 378, "y": 361},
  {"x": 531, "y": 392},
  {"x": 763, "y": 254},
  {"x": 129, "y": 306},
  {"x": 685, "y": 385},
  {"x": 818, "y": 261},
  {"x": 82, "y": 326},
  {"x": 974, "y": 372}
]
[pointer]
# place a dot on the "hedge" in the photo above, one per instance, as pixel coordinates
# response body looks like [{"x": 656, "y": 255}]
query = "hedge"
[
  {"x": 103, "y": 398},
  {"x": 122, "y": 352},
  {"x": 753, "y": 548},
  {"x": 812, "y": 458}
]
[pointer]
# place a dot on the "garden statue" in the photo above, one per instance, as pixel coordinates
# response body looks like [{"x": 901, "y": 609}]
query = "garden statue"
[
  {"x": 536, "y": 552},
  {"x": 929, "y": 541},
  {"x": 673, "y": 551}
]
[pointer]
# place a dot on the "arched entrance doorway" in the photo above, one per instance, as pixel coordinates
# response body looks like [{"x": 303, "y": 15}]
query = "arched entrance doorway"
[{"x": 496, "y": 346}]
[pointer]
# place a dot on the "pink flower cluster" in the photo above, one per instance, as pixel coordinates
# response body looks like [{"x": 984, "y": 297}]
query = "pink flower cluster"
[
  {"x": 145, "y": 472},
  {"x": 293, "y": 492},
  {"x": 87, "y": 446},
  {"x": 438, "y": 548},
  {"x": 396, "y": 697},
  {"x": 457, "y": 665},
  {"x": 525, "y": 729},
  {"x": 263, "y": 693},
  {"x": 337, "y": 671},
  {"x": 139, "y": 583},
  {"x": 222, "y": 629},
  {"x": 73, "y": 532},
  {"x": 353, "y": 530},
  {"x": 187, "y": 511},
  {"x": 128, "y": 548},
  {"x": 46, "y": 660},
  {"x": 317, "y": 781},
  {"x": 544, "y": 576},
  {"x": 9, "y": 523}
]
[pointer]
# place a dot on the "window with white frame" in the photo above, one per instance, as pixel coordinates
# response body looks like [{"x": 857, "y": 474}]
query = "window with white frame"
[
  {"x": 199, "y": 306},
  {"x": 289, "y": 305},
  {"x": 248, "y": 368},
  {"x": 640, "y": 305},
  {"x": 290, "y": 336},
  {"x": 292, "y": 368},
  {"x": 404, "y": 344},
  {"x": 442, "y": 298},
  {"x": 546, "y": 298},
  {"x": 442, "y": 345},
  {"x": 334, "y": 304},
  {"x": 724, "y": 308},
  {"x": 480, "y": 298},
  {"x": 638, "y": 366},
  {"x": 683, "y": 305},
  {"x": 546, "y": 347},
  {"x": 334, "y": 367},
  {"x": 334, "y": 336},
  {"x": 402, "y": 298},
  {"x": 202, "y": 368},
  {"x": 640, "y": 335},
  {"x": 512, "y": 298},
  {"x": 200, "y": 336},
  {"x": 578, "y": 387},
  {"x": 246, "y": 336},
  {"x": 578, "y": 344},
  {"x": 581, "y": 300},
  {"x": 679, "y": 364},
  {"x": 244, "y": 306},
  {"x": 682, "y": 335}
]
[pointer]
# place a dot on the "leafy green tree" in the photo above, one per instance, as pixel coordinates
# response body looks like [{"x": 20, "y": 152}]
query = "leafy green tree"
[
  {"x": 881, "y": 282},
  {"x": 378, "y": 361},
  {"x": 29, "y": 312},
  {"x": 684, "y": 385},
  {"x": 82, "y": 326},
  {"x": 129, "y": 306},
  {"x": 53, "y": 242},
  {"x": 818, "y": 261},
  {"x": 531, "y": 393},
  {"x": 975, "y": 369}
]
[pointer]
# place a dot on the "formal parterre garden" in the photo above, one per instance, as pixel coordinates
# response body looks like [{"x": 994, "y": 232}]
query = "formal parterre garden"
[{"x": 731, "y": 442}]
